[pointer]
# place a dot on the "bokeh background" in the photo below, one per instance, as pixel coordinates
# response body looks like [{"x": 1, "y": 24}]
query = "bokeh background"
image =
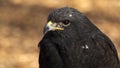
[{"x": 22, "y": 21}]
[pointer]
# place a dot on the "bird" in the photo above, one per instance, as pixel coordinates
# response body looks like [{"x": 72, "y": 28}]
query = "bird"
[{"x": 71, "y": 40}]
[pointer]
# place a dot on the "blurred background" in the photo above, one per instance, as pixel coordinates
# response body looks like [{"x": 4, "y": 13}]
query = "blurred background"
[{"x": 22, "y": 21}]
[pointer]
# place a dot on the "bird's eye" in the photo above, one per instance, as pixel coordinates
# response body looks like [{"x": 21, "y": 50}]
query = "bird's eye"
[{"x": 66, "y": 22}]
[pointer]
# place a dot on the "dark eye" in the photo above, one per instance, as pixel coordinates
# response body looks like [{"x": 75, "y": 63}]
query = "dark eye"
[{"x": 66, "y": 22}]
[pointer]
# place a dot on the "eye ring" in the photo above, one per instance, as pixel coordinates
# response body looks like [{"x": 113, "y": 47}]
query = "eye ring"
[{"x": 66, "y": 22}]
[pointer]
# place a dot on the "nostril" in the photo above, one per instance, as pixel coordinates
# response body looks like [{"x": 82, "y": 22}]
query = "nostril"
[{"x": 54, "y": 25}]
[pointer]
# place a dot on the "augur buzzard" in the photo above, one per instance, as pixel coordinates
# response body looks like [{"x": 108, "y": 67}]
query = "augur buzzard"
[{"x": 71, "y": 40}]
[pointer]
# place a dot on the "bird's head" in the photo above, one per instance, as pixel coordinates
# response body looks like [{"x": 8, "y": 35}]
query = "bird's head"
[{"x": 67, "y": 20}]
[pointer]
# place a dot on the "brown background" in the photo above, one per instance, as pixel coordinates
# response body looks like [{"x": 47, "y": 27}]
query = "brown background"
[{"x": 22, "y": 21}]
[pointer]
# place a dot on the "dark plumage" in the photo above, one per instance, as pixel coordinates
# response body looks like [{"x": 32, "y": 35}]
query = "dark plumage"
[{"x": 72, "y": 41}]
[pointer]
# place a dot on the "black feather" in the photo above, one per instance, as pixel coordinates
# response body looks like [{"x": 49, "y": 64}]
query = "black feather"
[{"x": 79, "y": 45}]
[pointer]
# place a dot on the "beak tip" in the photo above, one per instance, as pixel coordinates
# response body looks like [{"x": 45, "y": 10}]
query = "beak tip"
[{"x": 46, "y": 29}]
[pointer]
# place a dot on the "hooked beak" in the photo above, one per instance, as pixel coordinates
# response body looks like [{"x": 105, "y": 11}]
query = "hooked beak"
[{"x": 52, "y": 27}]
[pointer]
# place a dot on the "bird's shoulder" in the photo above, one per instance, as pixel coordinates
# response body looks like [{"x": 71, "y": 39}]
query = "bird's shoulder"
[{"x": 100, "y": 39}]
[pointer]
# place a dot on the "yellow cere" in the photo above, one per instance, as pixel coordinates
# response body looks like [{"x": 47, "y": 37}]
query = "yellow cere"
[
  {"x": 50, "y": 23},
  {"x": 57, "y": 28}
]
